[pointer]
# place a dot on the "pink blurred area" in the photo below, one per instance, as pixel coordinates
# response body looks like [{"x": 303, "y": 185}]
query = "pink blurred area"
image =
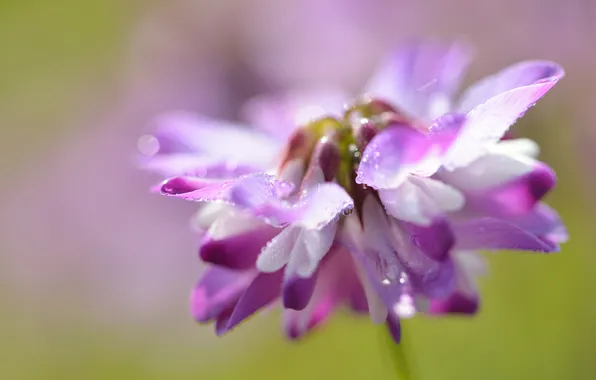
[{"x": 83, "y": 223}]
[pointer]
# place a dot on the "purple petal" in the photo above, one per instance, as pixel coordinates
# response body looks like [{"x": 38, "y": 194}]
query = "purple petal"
[
  {"x": 456, "y": 303},
  {"x": 297, "y": 291},
  {"x": 217, "y": 290},
  {"x": 418, "y": 250},
  {"x": 421, "y": 78},
  {"x": 394, "y": 327},
  {"x": 434, "y": 241},
  {"x": 503, "y": 99},
  {"x": 263, "y": 290},
  {"x": 238, "y": 251},
  {"x": 491, "y": 233},
  {"x": 544, "y": 222},
  {"x": 243, "y": 191},
  {"x": 392, "y": 155},
  {"x": 522, "y": 194},
  {"x": 400, "y": 150},
  {"x": 182, "y": 132},
  {"x": 297, "y": 323}
]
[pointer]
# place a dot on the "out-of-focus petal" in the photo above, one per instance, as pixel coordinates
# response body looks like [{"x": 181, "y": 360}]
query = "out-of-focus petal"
[
  {"x": 195, "y": 165},
  {"x": 495, "y": 104},
  {"x": 297, "y": 291},
  {"x": 544, "y": 222},
  {"x": 491, "y": 233},
  {"x": 455, "y": 303},
  {"x": 421, "y": 79},
  {"x": 264, "y": 289},
  {"x": 521, "y": 74},
  {"x": 183, "y": 132},
  {"x": 394, "y": 327},
  {"x": 465, "y": 299},
  {"x": 280, "y": 115},
  {"x": 217, "y": 290}
]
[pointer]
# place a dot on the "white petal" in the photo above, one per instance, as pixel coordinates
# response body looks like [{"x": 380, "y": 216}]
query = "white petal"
[
  {"x": 278, "y": 251},
  {"x": 489, "y": 171},
  {"x": 419, "y": 200},
  {"x": 523, "y": 147}
]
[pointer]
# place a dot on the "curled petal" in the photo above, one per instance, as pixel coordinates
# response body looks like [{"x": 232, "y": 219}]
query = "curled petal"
[
  {"x": 217, "y": 290},
  {"x": 497, "y": 104},
  {"x": 237, "y": 251},
  {"x": 263, "y": 290},
  {"x": 297, "y": 291},
  {"x": 464, "y": 300},
  {"x": 421, "y": 78},
  {"x": 544, "y": 222},
  {"x": 491, "y": 233}
]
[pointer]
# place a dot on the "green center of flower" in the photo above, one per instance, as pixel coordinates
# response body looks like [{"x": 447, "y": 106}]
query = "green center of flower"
[{"x": 335, "y": 145}]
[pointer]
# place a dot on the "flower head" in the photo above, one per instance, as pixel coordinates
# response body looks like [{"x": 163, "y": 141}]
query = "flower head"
[{"x": 379, "y": 206}]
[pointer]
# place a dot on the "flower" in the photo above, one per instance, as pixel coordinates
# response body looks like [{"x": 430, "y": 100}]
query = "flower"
[{"x": 380, "y": 207}]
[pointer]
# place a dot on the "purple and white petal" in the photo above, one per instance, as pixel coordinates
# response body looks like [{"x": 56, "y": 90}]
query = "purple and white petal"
[
  {"x": 501, "y": 184},
  {"x": 393, "y": 155},
  {"x": 401, "y": 150},
  {"x": 521, "y": 74},
  {"x": 421, "y": 79},
  {"x": 243, "y": 192},
  {"x": 300, "y": 248},
  {"x": 237, "y": 250},
  {"x": 496, "y": 104}
]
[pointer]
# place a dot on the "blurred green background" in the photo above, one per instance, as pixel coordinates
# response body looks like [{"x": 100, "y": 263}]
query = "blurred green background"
[{"x": 90, "y": 291}]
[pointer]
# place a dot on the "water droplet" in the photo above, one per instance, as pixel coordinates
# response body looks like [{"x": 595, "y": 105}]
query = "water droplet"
[{"x": 148, "y": 145}]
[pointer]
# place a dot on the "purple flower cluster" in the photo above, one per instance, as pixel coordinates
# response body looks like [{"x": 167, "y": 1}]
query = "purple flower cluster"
[{"x": 378, "y": 206}]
